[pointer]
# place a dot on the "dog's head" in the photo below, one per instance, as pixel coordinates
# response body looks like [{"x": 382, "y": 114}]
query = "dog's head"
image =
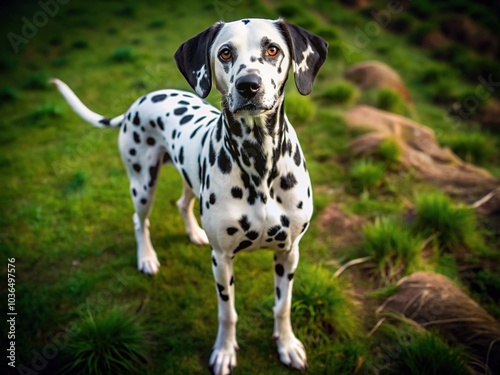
[{"x": 250, "y": 60}]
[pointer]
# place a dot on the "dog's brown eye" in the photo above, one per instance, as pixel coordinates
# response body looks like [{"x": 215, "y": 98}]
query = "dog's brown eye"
[
  {"x": 226, "y": 54},
  {"x": 272, "y": 51}
]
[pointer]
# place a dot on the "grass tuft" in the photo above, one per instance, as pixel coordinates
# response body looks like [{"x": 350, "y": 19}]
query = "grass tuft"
[
  {"x": 343, "y": 92},
  {"x": 321, "y": 309},
  {"x": 391, "y": 101},
  {"x": 37, "y": 81},
  {"x": 113, "y": 342},
  {"x": 124, "y": 54},
  {"x": 157, "y": 23},
  {"x": 365, "y": 175},
  {"x": 299, "y": 108},
  {"x": 428, "y": 354},
  {"x": 453, "y": 226},
  {"x": 390, "y": 151},
  {"x": 8, "y": 94},
  {"x": 43, "y": 114},
  {"x": 394, "y": 249},
  {"x": 474, "y": 147}
]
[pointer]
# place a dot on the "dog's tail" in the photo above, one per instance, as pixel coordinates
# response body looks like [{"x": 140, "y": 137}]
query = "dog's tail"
[{"x": 82, "y": 110}]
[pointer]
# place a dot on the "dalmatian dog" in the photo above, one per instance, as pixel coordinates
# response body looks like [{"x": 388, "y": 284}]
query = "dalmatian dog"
[{"x": 244, "y": 163}]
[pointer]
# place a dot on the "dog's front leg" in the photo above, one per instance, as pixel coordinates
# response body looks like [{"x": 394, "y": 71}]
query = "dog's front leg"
[
  {"x": 290, "y": 349},
  {"x": 223, "y": 358}
]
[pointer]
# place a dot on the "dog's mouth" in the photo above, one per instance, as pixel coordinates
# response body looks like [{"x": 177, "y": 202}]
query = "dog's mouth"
[{"x": 251, "y": 109}]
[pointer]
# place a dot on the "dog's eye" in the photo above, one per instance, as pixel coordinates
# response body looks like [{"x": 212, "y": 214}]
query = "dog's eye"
[
  {"x": 226, "y": 54},
  {"x": 272, "y": 51}
]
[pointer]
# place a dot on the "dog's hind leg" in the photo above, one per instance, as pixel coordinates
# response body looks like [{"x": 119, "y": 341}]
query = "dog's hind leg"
[
  {"x": 185, "y": 205},
  {"x": 143, "y": 172}
]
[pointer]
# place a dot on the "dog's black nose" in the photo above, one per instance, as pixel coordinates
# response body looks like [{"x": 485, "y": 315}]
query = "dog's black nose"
[{"x": 248, "y": 85}]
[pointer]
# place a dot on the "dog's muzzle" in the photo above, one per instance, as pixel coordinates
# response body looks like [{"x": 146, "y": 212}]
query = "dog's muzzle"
[{"x": 250, "y": 94}]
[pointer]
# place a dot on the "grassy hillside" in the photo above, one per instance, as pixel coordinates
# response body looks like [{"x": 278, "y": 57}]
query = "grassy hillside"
[{"x": 67, "y": 216}]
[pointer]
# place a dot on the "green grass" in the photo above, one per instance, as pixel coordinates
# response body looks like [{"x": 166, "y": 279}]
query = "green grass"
[
  {"x": 473, "y": 147},
  {"x": 393, "y": 248},
  {"x": 453, "y": 226},
  {"x": 111, "y": 342},
  {"x": 427, "y": 354},
  {"x": 66, "y": 210},
  {"x": 365, "y": 175}
]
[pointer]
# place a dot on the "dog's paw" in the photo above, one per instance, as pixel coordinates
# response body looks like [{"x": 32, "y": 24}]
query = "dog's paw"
[
  {"x": 148, "y": 265},
  {"x": 292, "y": 353},
  {"x": 198, "y": 237},
  {"x": 223, "y": 361}
]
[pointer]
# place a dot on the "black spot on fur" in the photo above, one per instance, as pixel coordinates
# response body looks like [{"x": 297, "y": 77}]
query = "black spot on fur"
[
  {"x": 252, "y": 235},
  {"x": 214, "y": 261},
  {"x": 181, "y": 155},
  {"x": 132, "y": 151},
  {"x": 105, "y": 121},
  {"x": 288, "y": 181},
  {"x": 144, "y": 201},
  {"x": 290, "y": 276},
  {"x": 151, "y": 141},
  {"x": 273, "y": 230},
  {"x": 160, "y": 123},
  {"x": 224, "y": 162},
  {"x": 244, "y": 223},
  {"x": 180, "y": 111},
  {"x": 284, "y": 221},
  {"x": 137, "y": 138},
  {"x": 300, "y": 205},
  {"x": 304, "y": 227},
  {"x": 194, "y": 132},
  {"x": 211, "y": 154},
  {"x": 185, "y": 119},
  {"x": 245, "y": 21},
  {"x": 183, "y": 102},
  {"x": 231, "y": 282},
  {"x": 281, "y": 236},
  {"x": 296, "y": 157},
  {"x": 223, "y": 297},
  {"x": 231, "y": 230},
  {"x": 200, "y": 119},
  {"x": 186, "y": 178},
  {"x": 158, "y": 98},
  {"x": 134, "y": 192},
  {"x": 137, "y": 167},
  {"x": 243, "y": 245},
  {"x": 152, "y": 123},
  {"x": 212, "y": 198},
  {"x": 280, "y": 270},
  {"x": 278, "y": 293},
  {"x": 137, "y": 120},
  {"x": 237, "y": 193},
  {"x": 153, "y": 173},
  {"x": 308, "y": 192}
]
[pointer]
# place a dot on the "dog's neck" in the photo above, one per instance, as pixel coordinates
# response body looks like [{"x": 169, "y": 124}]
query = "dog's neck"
[{"x": 256, "y": 143}]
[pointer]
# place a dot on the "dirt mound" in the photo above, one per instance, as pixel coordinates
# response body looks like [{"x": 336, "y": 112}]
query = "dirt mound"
[
  {"x": 375, "y": 74},
  {"x": 489, "y": 116},
  {"x": 420, "y": 151},
  {"x": 345, "y": 229},
  {"x": 434, "y": 39},
  {"x": 464, "y": 30},
  {"x": 435, "y": 302}
]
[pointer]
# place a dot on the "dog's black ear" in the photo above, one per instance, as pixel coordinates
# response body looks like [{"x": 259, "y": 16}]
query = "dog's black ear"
[
  {"x": 193, "y": 60},
  {"x": 309, "y": 52}
]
